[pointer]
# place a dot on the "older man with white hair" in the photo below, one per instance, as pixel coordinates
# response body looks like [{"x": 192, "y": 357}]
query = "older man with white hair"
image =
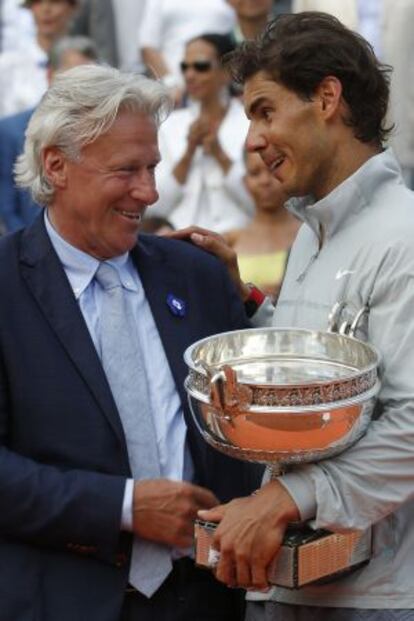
[{"x": 102, "y": 470}]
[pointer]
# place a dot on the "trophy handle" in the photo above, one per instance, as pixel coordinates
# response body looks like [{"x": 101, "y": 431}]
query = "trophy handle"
[
  {"x": 346, "y": 328},
  {"x": 228, "y": 396}
]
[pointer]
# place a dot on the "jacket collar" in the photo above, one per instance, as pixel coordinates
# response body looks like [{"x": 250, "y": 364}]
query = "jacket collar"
[{"x": 348, "y": 198}]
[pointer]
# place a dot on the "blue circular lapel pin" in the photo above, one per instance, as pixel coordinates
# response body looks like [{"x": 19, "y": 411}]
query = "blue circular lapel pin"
[{"x": 176, "y": 306}]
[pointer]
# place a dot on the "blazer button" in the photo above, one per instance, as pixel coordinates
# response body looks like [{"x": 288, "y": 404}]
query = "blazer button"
[{"x": 121, "y": 559}]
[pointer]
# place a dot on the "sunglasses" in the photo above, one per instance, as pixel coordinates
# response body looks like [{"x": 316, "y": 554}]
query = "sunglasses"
[{"x": 201, "y": 66}]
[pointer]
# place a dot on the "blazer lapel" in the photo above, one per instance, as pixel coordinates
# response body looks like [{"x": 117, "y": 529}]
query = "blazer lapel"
[
  {"x": 160, "y": 279},
  {"x": 161, "y": 283},
  {"x": 47, "y": 281}
]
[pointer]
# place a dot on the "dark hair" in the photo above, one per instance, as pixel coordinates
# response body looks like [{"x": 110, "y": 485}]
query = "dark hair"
[
  {"x": 300, "y": 50},
  {"x": 222, "y": 43}
]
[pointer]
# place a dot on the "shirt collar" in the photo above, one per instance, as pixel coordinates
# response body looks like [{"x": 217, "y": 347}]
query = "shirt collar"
[
  {"x": 80, "y": 267},
  {"x": 349, "y": 197}
]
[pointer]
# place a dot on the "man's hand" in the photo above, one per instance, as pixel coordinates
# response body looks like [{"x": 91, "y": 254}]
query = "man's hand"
[
  {"x": 250, "y": 533},
  {"x": 164, "y": 511},
  {"x": 217, "y": 245}
]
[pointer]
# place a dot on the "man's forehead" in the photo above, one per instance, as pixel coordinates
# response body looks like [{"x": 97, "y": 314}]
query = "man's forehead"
[
  {"x": 258, "y": 88},
  {"x": 132, "y": 135}
]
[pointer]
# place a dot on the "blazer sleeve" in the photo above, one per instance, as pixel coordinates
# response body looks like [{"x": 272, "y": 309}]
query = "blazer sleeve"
[{"x": 51, "y": 505}]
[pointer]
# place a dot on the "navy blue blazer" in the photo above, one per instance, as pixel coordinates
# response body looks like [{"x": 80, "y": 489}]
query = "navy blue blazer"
[
  {"x": 63, "y": 458},
  {"x": 17, "y": 209}
]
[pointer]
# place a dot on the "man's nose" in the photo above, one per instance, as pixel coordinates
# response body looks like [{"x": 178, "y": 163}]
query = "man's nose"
[
  {"x": 143, "y": 189},
  {"x": 255, "y": 140}
]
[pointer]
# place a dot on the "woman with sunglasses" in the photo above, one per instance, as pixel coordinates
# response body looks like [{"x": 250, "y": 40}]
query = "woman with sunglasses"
[{"x": 200, "y": 175}]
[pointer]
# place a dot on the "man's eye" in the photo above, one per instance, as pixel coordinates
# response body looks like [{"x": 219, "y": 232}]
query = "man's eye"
[{"x": 266, "y": 114}]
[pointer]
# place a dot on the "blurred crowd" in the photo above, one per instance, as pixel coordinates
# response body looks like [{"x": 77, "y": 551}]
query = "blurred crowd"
[{"x": 205, "y": 177}]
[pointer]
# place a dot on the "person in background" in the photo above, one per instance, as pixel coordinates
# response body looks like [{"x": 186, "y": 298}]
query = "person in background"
[
  {"x": 281, "y": 6},
  {"x": 128, "y": 15},
  {"x": 23, "y": 73},
  {"x": 102, "y": 467},
  {"x": 263, "y": 246},
  {"x": 317, "y": 100},
  {"x": 17, "y": 207},
  {"x": 95, "y": 19},
  {"x": 251, "y": 18},
  {"x": 17, "y": 30},
  {"x": 114, "y": 26},
  {"x": 166, "y": 27},
  {"x": 201, "y": 168}
]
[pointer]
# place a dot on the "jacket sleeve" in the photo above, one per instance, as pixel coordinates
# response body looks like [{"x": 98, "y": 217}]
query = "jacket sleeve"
[
  {"x": 374, "y": 477},
  {"x": 49, "y": 506}
]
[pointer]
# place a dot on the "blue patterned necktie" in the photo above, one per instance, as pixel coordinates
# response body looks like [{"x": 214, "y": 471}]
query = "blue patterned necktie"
[{"x": 122, "y": 362}]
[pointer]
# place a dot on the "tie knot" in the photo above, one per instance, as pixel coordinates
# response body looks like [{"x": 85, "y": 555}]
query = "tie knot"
[{"x": 107, "y": 276}]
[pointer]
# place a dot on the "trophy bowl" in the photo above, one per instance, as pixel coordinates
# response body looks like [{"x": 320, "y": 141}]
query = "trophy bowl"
[{"x": 281, "y": 396}]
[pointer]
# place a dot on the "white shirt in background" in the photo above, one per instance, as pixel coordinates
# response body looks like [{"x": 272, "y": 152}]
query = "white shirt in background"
[
  {"x": 23, "y": 78},
  {"x": 128, "y": 16},
  {"x": 209, "y": 198},
  {"x": 17, "y": 26}
]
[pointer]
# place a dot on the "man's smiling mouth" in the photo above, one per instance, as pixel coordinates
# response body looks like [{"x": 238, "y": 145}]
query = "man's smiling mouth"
[
  {"x": 131, "y": 215},
  {"x": 276, "y": 163}
]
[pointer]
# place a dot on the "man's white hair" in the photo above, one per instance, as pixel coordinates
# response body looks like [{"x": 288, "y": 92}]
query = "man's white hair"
[{"x": 81, "y": 105}]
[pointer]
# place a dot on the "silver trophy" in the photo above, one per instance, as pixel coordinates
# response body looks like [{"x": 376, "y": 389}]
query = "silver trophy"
[{"x": 282, "y": 397}]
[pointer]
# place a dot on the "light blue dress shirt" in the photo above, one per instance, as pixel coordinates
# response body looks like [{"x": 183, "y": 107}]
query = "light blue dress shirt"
[{"x": 174, "y": 458}]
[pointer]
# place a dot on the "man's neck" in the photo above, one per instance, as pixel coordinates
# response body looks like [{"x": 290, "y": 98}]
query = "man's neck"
[{"x": 348, "y": 159}]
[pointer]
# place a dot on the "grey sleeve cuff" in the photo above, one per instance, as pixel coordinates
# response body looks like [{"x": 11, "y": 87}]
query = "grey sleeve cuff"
[
  {"x": 301, "y": 487},
  {"x": 264, "y": 315}
]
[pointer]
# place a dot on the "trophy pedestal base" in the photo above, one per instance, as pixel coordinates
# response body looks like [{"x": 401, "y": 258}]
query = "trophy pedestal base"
[{"x": 306, "y": 555}]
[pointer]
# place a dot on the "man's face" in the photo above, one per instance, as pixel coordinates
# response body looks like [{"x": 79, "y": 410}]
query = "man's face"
[
  {"x": 100, "y": 198},
  {"x": 289, "y": 134},
  {"x": 52, "y": 16},
  {"x": 251, "y": 8}
]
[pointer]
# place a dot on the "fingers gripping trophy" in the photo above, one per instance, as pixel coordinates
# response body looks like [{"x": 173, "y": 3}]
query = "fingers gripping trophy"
[{"x": 281, "y": 397}]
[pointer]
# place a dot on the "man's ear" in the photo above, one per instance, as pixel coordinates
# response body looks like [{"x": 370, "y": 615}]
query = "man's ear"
[
  {"x": 55, "y": 167},
  {"x": 329, "y": 96}
]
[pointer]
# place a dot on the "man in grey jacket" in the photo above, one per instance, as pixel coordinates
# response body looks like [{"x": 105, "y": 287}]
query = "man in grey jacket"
[{"x": 317, "y": 99}]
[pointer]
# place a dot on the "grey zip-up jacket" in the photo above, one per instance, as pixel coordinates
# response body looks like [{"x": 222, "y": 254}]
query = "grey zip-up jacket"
[{"x": 366, "y": 258}]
